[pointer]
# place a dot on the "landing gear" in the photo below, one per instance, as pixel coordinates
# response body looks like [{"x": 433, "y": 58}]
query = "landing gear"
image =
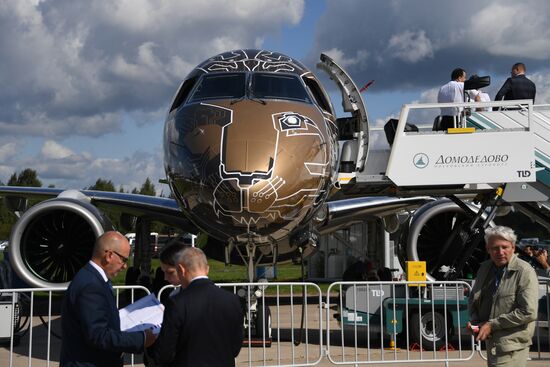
[{"x": 257, "y": 315}]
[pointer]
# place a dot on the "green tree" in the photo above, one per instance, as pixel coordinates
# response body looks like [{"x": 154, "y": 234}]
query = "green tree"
[
  {"x": 28, "y": 177},
  {"x": 147, "y": 188},
  {"x": 103, "y": 185}
]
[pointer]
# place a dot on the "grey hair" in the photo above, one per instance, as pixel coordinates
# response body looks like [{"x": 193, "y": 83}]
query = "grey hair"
[{"x": 506, "y": 233}]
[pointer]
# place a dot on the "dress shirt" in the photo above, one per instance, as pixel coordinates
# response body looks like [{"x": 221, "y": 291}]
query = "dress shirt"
[
  {"x": 453, "y": 91},
  {"x": 99, "y": 270}
]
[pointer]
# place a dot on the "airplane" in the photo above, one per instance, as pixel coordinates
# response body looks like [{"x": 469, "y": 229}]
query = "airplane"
[{"x": 253, "y": 154}]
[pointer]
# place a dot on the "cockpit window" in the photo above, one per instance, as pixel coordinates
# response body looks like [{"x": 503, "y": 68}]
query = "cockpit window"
[
  {"x": 220, "y": 86},
  {"x": 278, "y": 86}
]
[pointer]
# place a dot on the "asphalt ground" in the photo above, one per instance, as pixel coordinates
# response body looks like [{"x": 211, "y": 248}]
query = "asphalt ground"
[{"x": 283, "y": 351}]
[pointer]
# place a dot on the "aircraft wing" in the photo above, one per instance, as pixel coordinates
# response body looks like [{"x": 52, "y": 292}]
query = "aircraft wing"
[
  {"x": 163, "y": 209},
  {"x": 341, "y": 213}
]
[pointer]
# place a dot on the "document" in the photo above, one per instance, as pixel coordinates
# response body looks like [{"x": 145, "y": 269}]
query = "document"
[{"x": 145, "y": 313}]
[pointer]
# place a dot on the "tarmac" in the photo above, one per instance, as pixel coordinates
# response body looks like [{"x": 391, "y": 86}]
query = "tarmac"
[{"x": 283, "y": 351}]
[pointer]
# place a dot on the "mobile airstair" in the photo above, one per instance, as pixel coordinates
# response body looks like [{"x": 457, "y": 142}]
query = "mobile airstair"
[
  {"x": 507, "y": 148},
  {"x": 483, "y": 151},
  {"x": 475, "y": 165},
  {"x": 532, "y": 198}
]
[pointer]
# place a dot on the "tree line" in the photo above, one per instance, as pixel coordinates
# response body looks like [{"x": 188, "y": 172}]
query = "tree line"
[{"x": 29, "y": 178}]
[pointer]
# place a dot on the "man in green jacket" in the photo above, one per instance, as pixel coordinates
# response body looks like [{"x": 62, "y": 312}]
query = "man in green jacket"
[{"x": 504, "y": 300}]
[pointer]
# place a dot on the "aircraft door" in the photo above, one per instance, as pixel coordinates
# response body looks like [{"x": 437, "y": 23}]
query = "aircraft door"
[{"x": 351, "y": 102}]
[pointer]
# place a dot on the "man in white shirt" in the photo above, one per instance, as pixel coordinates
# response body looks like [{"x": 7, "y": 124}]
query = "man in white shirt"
[{"x": 453, "y": 92}]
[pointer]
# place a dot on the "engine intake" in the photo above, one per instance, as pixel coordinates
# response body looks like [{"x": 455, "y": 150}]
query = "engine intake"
[
  {"x": 54, "y": 239},
  {"x": 431, "y": 226}
]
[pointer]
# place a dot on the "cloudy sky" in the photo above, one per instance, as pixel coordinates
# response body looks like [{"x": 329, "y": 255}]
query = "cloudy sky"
[{"x": 86, "y": 84}]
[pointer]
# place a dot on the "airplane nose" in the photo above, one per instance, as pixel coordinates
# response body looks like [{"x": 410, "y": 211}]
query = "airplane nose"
[
  {"x": 248, "y": 150},
  {"x": 247, "y": 156},
  {"x": 261, "y": 196}
]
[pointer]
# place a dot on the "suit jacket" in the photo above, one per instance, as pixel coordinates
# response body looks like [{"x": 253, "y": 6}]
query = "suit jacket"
[
  {"x": 202, "y": 327},
  {"x": 517, "y": 87},
  {"x": 90, "y": 324}
]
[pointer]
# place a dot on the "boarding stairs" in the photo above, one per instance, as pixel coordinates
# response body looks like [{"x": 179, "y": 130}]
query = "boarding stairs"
[
  {"x": 536, "y": 204},
  {"x": 507, "y": 147},
  {"x": 499, "y": 144}
]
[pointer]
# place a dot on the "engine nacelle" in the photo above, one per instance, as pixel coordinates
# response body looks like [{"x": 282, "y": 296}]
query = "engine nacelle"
[
  {"x": 430, "y": 227},
  {"x": 54, "y": 239}
]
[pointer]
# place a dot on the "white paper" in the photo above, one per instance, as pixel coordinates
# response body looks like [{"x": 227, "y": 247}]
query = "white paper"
[{"x": 145, "y": 313}]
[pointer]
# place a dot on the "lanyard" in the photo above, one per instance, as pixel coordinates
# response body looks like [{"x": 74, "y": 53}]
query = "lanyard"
[{"x": 499, "y": 274}]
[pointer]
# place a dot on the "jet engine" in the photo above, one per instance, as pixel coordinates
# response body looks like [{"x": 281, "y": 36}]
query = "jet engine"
[
  {"x": 430, "y": 236},
  {"x": 52, "y": 240}
]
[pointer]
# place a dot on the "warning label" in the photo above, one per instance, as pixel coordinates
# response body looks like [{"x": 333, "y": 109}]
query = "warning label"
[{"x": 416, "y": 271}]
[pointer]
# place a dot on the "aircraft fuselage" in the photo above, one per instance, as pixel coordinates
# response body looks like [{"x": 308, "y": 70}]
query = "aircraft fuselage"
[{"x": 250, "y": 146}]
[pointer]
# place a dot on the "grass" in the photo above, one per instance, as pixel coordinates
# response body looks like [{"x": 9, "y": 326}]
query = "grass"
[{"x": 220, "y": 273}]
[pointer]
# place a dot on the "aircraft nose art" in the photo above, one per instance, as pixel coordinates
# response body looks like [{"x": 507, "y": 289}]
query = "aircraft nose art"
[
  {"x": 277, "y": 161},
  {"x": 251, "y": 165},
  {"x": 249, "y": 147}
]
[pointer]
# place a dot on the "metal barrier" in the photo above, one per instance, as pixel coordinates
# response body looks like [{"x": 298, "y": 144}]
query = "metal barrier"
[
  {"x": 377, "y": 318},
  {"x": 283, "y": 323},
  {"x": 24, "y": 310},
  {"x": 287, "y": 324},
  {"x": 542, "y": 331}
]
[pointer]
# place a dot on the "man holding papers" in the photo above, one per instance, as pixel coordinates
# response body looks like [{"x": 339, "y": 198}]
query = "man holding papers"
[
  {"x": 203, "y": 324},
  {"x": 89, "y": 317}
]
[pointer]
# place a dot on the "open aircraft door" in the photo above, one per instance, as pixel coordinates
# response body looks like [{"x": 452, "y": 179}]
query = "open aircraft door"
[{"x": 355, "y": 129}]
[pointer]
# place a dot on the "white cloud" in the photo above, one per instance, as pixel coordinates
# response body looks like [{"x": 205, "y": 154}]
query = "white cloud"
[
  {"x": 411, "y": 46},
  {"x": 7, "y": 151},
  {"x": 53, "y": 150},
  {"x": 62, "y": 167},
  {"x": 512, "y": 29},
  {"x": 542, "y": 81},
  {"x": 37, "y": 123},
  {"x": 67, "y": 62},
  {"x": 360, "y": 57}
]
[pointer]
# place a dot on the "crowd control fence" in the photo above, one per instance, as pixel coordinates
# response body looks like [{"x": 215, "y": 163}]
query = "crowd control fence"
[{"x": 293, "y": 324}]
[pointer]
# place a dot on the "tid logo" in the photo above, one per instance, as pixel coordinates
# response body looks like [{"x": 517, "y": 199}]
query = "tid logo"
[
  {"x": 421, "y": 160},
  {"x": 377, "y": 292}
]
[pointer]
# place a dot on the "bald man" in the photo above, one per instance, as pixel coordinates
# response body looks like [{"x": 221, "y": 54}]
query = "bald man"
[{"x": 89, "y": 317}]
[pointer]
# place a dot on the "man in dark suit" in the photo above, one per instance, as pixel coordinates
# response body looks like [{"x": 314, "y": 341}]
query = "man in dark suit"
[
  {"x": 90, "y": 321},
  {"x": 203, "y": 324},
  {"x": 517, "y": 86}
]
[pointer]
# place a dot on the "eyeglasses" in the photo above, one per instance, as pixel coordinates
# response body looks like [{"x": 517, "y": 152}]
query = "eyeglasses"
[{"x": 123, "y": 258}]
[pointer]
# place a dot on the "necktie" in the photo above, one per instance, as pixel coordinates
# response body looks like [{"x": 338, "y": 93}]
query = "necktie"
[{"x": 110, "y": 284}]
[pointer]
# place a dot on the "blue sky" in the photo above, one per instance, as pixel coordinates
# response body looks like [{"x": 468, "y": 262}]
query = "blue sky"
[{"x": 90, "y": 82}]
